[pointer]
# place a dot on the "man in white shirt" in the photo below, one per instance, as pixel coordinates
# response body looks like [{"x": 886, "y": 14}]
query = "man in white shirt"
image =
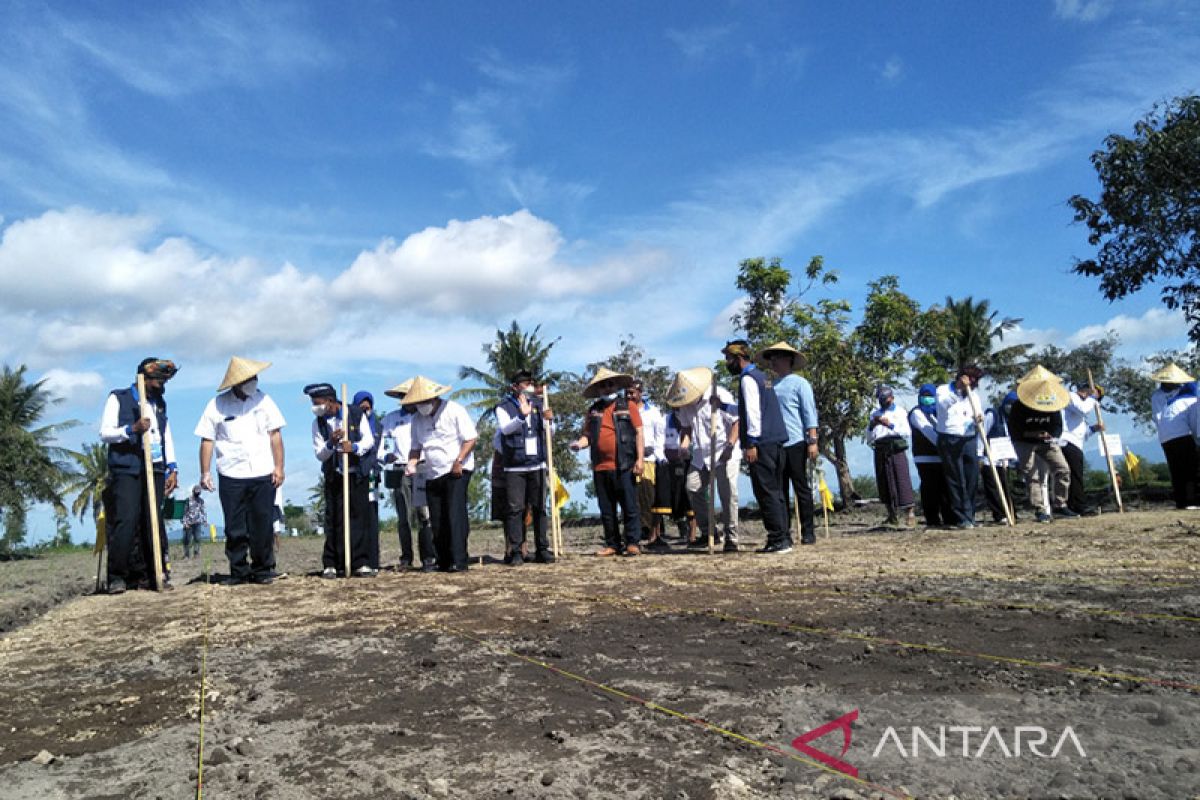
[
  {"x": 521, "y": 423},
  {"x": 408, "y": 491},
  {"x": 1076, "y": 430},
  {"x": 444, "y": 433},
  {"x": 242, "y": 425},
  {"x": 958, "y": 422},
  {"x": 126, "y": 500},
  {"x": 338, "y": 430}
]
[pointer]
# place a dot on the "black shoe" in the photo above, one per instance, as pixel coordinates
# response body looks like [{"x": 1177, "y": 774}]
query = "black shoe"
[
  {"x": 659, "y": 546},
  {"x": 1064, "y": 512},
  {"x": 1042, "y": 516},
  {"x": 730, "y": 547},
  {"x": 516, "y": 560},
  {"x": 777, "y": 548},
  {"x": 116, "y": 586},
  {"x": 429, "y": 566},
  {"x": 809, "y": 540},
  {"x": 544, "y": 557},
  {"x": 406, "y": 563},
  {"x": 508, "y": 558},
  {"x": 264, "y": 580},
  {"x": 699, "y": 543},
  {"x": 235, "y": 580}
]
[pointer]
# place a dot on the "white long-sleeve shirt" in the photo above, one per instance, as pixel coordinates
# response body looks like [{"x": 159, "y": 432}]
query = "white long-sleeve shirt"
[
  {"x": 896, "y": 424},
  {"x": 955, "y": 412},
  {"x": 1076, "y": 427},
  {"x": 1171, "y": 411},
  {"x": 697, "y": 415},
  {"x": 749, "y": 388},
  {"x": 921, "y": 425},
  {"x": 508, "y": 424},
  {"x": 162, "y": 447},
  {"x": 325, "y": 450},
  {"x": 654, "y": 431},
  {"x": 396, "y": 432}
]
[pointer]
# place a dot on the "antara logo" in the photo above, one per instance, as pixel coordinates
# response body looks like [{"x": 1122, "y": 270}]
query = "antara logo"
[{"x": 940, "y": 742}]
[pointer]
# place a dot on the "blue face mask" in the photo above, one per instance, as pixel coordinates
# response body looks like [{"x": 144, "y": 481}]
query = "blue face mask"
[{"x": 927, "y": 402}]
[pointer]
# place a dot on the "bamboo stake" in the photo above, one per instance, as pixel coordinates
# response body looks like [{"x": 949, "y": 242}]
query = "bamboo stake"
[
  {"x": 99, "y": 564},
  {"x": 712, "y": 473},
  {"x": 152, "y": 496},
  {"x": 555, "y": 530},
  {"x": 1112, "y": 472},
  {"x": 345, "y": 482},
  {"x": 987, "y": 449}
]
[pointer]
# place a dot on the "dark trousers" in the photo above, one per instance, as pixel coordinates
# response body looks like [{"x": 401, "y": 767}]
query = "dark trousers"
[
  {"x": 766, "y": 479},
  {"x": 334, "y": 553},
  {"x": 1076, "y": 500},
  {"x": 961, "y": 468},
  {"x": 127, "y": 520},
  {"x": 935, "y": 497},
  {"x": 521, "y": 490},
  {"x": 613, "y": 487},
  {"x": 249, "y": 507},
  {"x": 405, "y": 513},
  {"x": 795, "y": 475},
  {"x": 373, "y": 529},
  {"x": 992, "y": 496},
  {"x": 447, "y": 496},
  {"x": 1182, "y": 462}
]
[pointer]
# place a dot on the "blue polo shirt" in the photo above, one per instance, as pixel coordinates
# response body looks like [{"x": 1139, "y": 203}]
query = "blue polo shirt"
[{"x": 797, "y": 405}]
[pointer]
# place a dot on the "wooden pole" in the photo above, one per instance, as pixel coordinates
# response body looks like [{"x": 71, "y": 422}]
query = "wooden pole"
[
  {"x": 99, "y": 564},
  {"x": 1112, "y": 472},
  {"x": 987, "y": 449},
  {"x": 345, "y": 482},
  {"x": 555, "y": 531},
  {"x": 712, "y": 473},
  {"x": 152, "y": 496}
]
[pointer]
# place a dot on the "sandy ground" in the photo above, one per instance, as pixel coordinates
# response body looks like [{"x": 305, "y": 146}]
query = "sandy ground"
[{"x": 665, "y": 676}]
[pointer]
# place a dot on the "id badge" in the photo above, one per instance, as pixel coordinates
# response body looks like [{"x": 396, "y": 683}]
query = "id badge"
[{"x": 531, "y": 445}]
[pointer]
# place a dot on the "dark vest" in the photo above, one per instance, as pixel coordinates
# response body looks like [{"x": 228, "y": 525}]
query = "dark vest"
[
  {"x": 358, "y": 463},
  {"x": 773, "y": 428},
  {"x": 512, "y": 445},
  {"x": 626, "y": 434},
  {"x": 125, "y": 458},
  {"x": 999, "y": 424},
  {"x": 921, "y": 446},
  {"x": 1025, "y": 423}
]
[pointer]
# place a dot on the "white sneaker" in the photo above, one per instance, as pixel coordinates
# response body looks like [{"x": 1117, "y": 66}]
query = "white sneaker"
[
  {"x": 364, "y": 572},
  {"x": 329, "y": 572}
]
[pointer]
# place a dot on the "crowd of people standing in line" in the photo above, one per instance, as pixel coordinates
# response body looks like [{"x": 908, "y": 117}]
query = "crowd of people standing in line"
[{"x": 649, "y": 464}]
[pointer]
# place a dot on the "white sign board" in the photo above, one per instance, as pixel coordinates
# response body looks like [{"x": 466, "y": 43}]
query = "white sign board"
[
  {"x": 1002, "y": 449},
  {"x": 1114, "y": 445}
]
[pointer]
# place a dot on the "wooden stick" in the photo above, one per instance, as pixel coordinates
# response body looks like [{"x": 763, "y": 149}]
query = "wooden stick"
[
  {"x": 712, "y": 473},
  {"x": 345, "y": 481},
  {"x": 99, "y": 563},
  {"x": 151, "y": 495},
  {"x": 1112, "y": 472},
  {"x": 987, "y": 449},
  {"x": 555, "y": 531}
]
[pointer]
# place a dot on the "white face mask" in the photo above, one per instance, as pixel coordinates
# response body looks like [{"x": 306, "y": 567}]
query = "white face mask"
[
  {"x": 249, "y": 387},
  {"x": 530, "y": 391},
  {"x": 318, "y": 409},
  {"x": 611, "y": 396},
  {"x": 425, "y": 409}
]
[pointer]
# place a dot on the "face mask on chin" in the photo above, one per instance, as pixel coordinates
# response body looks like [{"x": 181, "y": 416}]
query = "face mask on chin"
[
  {"x": 425, "y": 409},
  {"x": 247, "y": 388}
]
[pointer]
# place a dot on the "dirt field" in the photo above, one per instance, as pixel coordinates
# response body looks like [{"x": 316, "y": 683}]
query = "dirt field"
[{"x": 665, "y": 676}]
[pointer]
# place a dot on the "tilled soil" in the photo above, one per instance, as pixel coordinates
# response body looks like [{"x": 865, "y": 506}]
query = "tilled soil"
[{"x": 665, "y": 676}]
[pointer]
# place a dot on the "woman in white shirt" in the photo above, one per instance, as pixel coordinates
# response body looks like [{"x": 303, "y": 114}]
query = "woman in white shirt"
[{"x": 1171, "y": 407}]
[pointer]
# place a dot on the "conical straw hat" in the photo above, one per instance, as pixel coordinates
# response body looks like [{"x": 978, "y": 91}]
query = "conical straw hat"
[
  {"x": 688, "y": 386},
  {"x": 591, "y": 391},
  {"x": 400, "y": 389},
  {"x": 1043, "y": 391},
  {"x": 423, "y": 389},
  {"x": 1171, "y": 373},
  {"x": 240, "y": 370},
  {"x": 780, "y": 347}
]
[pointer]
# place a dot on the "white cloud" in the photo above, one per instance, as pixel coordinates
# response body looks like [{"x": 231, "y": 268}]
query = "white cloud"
[
  {"x": 893, "y": 69},
  {"x": 74, "y": 388},
  {"x": 721, "y": 326},
  {"x": 1083, "y": 10},
  {"x": 1157, "y": 325},
  {"x": 699, "y": 43}
]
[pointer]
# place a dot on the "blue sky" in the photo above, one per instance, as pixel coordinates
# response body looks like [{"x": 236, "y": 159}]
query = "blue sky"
[{"x": 359, "y": 192}]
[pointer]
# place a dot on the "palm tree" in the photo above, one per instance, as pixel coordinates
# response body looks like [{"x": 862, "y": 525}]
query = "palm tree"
[
  {"x": 512, "y": 350},
  {"x": 89, "y": 481},
  {"x": 967, "y": 331},
  {"x": 34, "y": 469}
]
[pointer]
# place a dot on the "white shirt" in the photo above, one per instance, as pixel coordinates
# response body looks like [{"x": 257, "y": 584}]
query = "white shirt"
[
  {"x": 441, "y": 436},
  {"x": 162, "y": 448},
  {"x": 897, "y": 418},
  {"x": 955, "y": 413},
  {"x": 324, "y": 451},
  {"x": 396, "y": 431},
  {"x": 1076, "y": 428},
  {"x": 654, "y": 431},
  {"x": 507, "y": 424},
  {"x": 696, "y": 416},
  {"x": 749, "y": 388},
  {"x": 240, "y": 431},
  {"x": 1171, "y": 413},
  {"x": 923, "y": 426}
]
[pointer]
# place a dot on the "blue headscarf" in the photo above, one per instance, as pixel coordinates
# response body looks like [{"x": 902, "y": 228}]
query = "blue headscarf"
[{"x": 928, "y": 409}]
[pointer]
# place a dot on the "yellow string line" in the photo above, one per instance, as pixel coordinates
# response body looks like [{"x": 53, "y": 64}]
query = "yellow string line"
[
  {"x": 918, "y": 598},
  {"x": 1088, "y": 672}
]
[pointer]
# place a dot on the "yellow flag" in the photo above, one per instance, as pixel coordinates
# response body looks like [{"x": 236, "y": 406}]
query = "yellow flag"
[
  {"x": 101, "y": 533},
  {"x": 212, "y": 532},
  {"x": 561, "y": 496},
  {"x": 826, "y": 495},
  {"x": 1133, "y": 465}
]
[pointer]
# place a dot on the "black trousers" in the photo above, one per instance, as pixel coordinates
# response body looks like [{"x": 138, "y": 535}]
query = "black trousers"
[
  {"x": 127, "y": 521},
  {"x": 935, "y": 497},
  {"x": 961, "y": 468},
  {"x": 795, "y": 473},
  {"x": 447, "y": 496},
  {"x": 1076, "y": 500},
  {"x": 405, "y": 512},
  {"x": 1182, "y": 461},
  {"x": 334, "y": 553},
  {"x": 991, "y": 495},
  {"x": 521, "y": 490},
  {"x": 249, "y": 507},
  {"x": 613, "y": 487},
  {"x": 766, "y": 479}
]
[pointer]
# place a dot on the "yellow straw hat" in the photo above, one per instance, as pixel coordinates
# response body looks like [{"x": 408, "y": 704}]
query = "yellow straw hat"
[
  {"x": 1038, "y": 373},
  {"x": 1171, "y": 373},
  {"x": 423, "y": 389},
  {"x": 780, "y": 347},
  {"x": 400, "y": 389},
  {"x": 592, "y": 391},
  {"x": 688, "y": 386},
  {"x": 241, "y": 370},
  {"x": 1043, "y": 391}
]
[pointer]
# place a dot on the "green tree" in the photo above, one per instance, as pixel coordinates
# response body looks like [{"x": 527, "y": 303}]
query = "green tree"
[
  {"x": 34, "y": 468},
  {"x": 965, "y": 331},
  {"x": 88, "y": 480},
  {"x": 1147, "y": 219}
]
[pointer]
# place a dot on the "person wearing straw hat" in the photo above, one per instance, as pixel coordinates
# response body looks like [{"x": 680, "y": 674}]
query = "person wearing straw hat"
[
  {"x": 408, "y": 491},
  {"x": 1077, "y": 427},
  {"x": 1035, "y": 425},
  {"x": 799, "y": 409},
  {"x": 444, "y": 433},
  {"x": 338, "y": 430},
  {"x": 691, "y": 394},
  {"x": 612, "y": 433},
  {"x": 762, "y": 434},
  {"x": 935, "y": 497},
  {"x": 243, "y": 427},
  {"x": 521, "y": 422},
  {"x": 1171, "y": 409},
  {"x": 888, "y": 433},
  {"x": 958, "y": 419},
  {"x": 126, "y": 499}
]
